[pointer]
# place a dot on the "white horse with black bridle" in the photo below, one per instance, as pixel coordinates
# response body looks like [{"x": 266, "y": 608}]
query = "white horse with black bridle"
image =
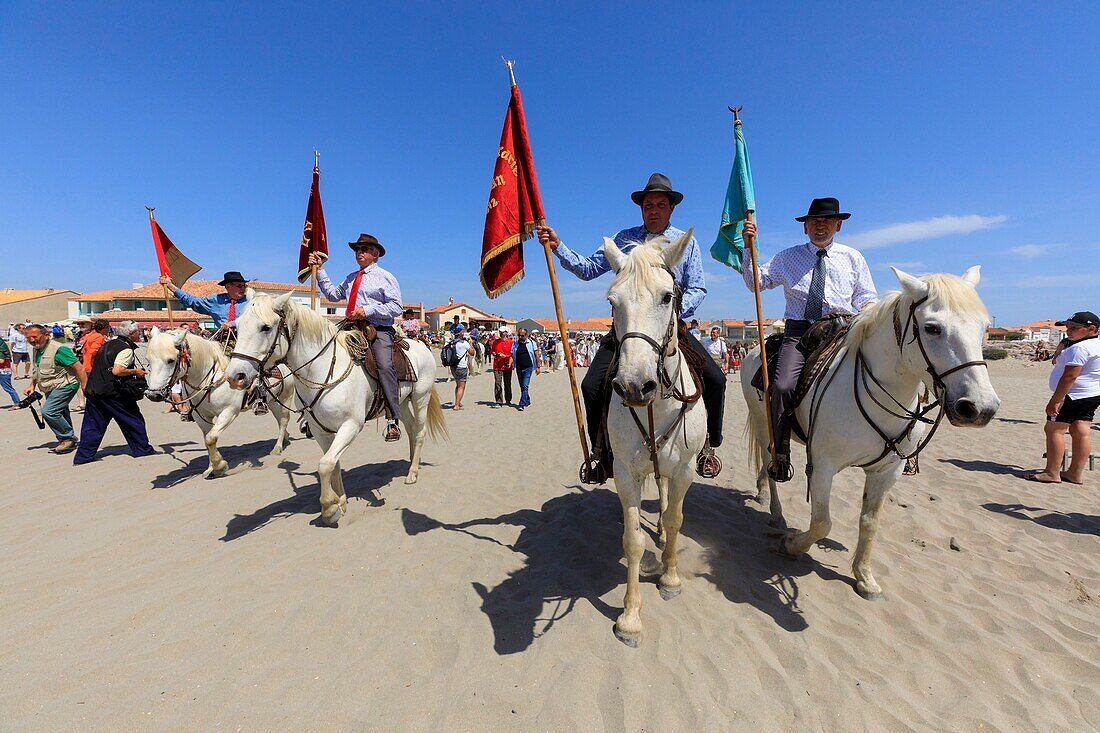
[
  {"x": 198, "y": 365},
  {"x": 658, "y": 426},
  {"x": 865, "y": 410},
  {"x": 333, "y": 389}
]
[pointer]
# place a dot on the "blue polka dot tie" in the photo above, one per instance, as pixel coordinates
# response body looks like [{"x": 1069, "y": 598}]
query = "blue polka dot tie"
[{"x": 815, "y": 299}]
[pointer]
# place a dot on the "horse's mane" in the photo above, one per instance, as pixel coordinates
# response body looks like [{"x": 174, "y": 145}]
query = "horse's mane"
[
  {"x": 641, "y": 265},
  {"x": 949, "y": 292},
  {"x": 163, "y": 345},
  {"x": 300, "y": 319}
]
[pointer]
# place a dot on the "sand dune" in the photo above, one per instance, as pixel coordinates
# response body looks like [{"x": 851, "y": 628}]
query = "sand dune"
[{"x": 138, "y": 596}]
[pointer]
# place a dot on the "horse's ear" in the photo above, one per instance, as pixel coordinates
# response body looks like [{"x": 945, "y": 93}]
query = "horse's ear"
[
  {"x": 614, "y": 255},
  {"x": 180, "y": 338},
  {"x": 973, "y": 276},
  {"x": 249, "y": 294},
  {"x": 154, "y": 332},
  {"x": 282, "y": 301},
  {"x": 913, "y": 286},
  {"x": 675, "y": 251}
]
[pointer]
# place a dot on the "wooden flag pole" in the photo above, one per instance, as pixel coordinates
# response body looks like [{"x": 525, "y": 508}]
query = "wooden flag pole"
[
  {"x": 568, "y": 355},
  {"x": 750, "y": 243},
  {"x": 562, "y": 331},
  {"x": 313, "y": 269},
  {"x": 167, "y": 295}
]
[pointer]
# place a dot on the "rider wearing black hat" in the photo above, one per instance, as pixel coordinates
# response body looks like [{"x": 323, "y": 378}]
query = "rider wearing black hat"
[
  {"x": 819, "y": 278},
  {"x": 657, "y": 201}
]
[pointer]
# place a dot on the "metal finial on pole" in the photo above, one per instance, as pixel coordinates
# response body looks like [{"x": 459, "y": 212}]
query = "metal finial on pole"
[
  {"x": 736, "y": 113},
  {"x": 316, "y": 159},
  {"x": 511, "y": 71},
  {"x": 151, "y": 209}
]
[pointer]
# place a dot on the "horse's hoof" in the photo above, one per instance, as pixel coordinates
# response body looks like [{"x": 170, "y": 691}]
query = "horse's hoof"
[
  {"x": 876, "y": 596},
  {"x": 331, "y": 518},
  {"x": 411, "y": 479},
  {"x": 631, "y": 640},
  {"x": 669, "y": 592}
]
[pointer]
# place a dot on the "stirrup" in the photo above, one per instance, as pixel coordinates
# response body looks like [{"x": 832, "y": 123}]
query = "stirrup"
[
  {"x": 393, "y": 433},
  {"x": 708, "y": 465},
  {"x": 912, "y": 467},
  {"x": 779, "y": 470},
  {"x": 259, "y": 408},
  {"x": 594, "y": 472}
]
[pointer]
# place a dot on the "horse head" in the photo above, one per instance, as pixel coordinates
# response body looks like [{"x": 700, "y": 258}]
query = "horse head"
[
  {"x": 942, "y": 328},
  {"x": 644, "y": 302},
  {"x": 258, "y": 343},
  {"x": 167, "y": 362}
]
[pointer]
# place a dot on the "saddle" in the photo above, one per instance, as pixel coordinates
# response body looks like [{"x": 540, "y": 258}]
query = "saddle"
[
  {"x": 819, "y": 345},
  {"x": 359, "y": 339},
  {"x": 362, "y": 351}
]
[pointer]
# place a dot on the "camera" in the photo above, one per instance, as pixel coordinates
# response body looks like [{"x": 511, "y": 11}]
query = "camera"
[{"x": 29, "y": 401}]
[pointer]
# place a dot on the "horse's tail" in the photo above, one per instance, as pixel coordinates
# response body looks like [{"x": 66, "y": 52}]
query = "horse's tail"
[
  {"x": 437, "y": 426},
  {"x": 755, "y": 457}
]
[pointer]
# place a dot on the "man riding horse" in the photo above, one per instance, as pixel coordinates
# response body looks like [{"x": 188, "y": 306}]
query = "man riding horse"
[
  {"x": 374, "y": 298},
  {"x": 223, "y": 309},
  {"x": 819, "y": 278},
  {"x": 657, "y": 201}
]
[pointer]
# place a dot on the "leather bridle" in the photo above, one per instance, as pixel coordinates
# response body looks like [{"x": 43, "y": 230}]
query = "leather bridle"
[{"x": 665, "y": 349}]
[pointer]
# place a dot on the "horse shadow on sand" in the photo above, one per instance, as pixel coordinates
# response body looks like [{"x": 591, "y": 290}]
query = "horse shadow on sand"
[
  {"x": 239, "y": 457},
  {"x": 361, "y": 482},
  {"x": 573, "y": 551},
  {"x": 1075, "y": 522},
  {"x": 980, "y": 466}
]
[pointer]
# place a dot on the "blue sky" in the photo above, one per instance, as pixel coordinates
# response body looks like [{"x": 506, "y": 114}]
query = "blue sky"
[{"x": 956, "y": 133}]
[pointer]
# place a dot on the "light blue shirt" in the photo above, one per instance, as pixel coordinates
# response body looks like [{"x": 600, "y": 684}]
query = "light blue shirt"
[
  {"x": 848, "y": 284},
  {"x": 379, "y": 294},
  {"x": 215, "y": 306},
  {"x": 689, "y": 273}
]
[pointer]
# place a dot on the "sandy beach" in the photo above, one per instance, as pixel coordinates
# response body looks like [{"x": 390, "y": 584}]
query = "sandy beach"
[{"x": 138, "y": 596}]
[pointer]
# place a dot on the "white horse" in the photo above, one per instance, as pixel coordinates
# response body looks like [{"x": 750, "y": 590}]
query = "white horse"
[
  {"x": 930, "y": 333},
  {"x": 660, "y": 420},
  {"x": 334, "y": 390},
  {"x": 200, "y": 366}
]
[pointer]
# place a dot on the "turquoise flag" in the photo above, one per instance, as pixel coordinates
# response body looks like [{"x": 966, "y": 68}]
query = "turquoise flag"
[{"x": 740, "y": 199}]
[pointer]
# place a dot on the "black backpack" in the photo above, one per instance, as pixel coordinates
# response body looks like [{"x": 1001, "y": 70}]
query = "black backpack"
[{"x": 449, "y": 355}]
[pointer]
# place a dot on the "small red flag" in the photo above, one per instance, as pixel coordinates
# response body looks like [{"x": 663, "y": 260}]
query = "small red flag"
[
  {"x": 515, "y": 207},
  {"x": 172, "y": 262},
  {"x": 314, "y": 237}
]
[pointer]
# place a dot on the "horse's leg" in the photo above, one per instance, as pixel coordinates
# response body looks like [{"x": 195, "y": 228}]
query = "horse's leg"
[
  {"x": 821, "y": 484},
  {"x": 673, "y": 517},
  {"x": 662, "y": 530},
  {"x": 218, "y": 465},
  {"x": 765, "y": 484},
  {"x": 282, "y": 417},
  {"x": 414, "y": 413},
  {"x": 330, "y": 465},
  {"x": 875, "y": 487},
  {"x": 328, "y": 495},
  {"x": 628, "y": 627}
]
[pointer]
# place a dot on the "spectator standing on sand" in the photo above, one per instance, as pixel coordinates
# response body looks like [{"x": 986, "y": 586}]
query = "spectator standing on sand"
[{"x": 1075, "y": 382}]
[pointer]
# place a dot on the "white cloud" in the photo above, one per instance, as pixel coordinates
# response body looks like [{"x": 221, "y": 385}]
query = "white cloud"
[
  {"x": 913, "y": 231},
  {"x": 1031, "y": 251},
  {"x": 1047, "y": 281}
]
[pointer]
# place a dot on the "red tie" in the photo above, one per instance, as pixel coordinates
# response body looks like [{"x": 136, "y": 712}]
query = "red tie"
[
  {"x": 354, "y": 294},
  {"x": 232, "y": 311}
]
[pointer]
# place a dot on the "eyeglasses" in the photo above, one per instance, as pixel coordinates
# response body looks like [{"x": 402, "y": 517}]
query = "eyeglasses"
[{"x": 359, "y": 250}]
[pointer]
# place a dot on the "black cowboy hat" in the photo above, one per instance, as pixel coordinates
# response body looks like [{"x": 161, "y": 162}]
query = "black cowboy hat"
[
  {"x": 658, "y": 183},
  {"x": 368, "y": 239},
  {"x": 233, "y": 277},
  {"x": 826, "y": 208}
]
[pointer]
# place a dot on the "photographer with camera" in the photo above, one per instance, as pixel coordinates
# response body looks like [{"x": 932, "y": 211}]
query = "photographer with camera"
[
  {"x": 58, "y": 374},
  {"x": 115, "y": 384}
]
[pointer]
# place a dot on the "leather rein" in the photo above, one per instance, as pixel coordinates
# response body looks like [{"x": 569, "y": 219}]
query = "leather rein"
[
  {"x": 862, "y": 374},
  {"x": 670, "y": 388}
]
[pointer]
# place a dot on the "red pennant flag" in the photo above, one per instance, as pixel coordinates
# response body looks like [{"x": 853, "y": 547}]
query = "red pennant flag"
[
  {"x": 515, "y": 207},
  {"x": 172, "y": 262},
  {"x": 314, "y": 237}
]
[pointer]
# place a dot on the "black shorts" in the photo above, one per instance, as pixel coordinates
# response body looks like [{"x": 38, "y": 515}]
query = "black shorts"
[{"x": 1079, "y": 409}]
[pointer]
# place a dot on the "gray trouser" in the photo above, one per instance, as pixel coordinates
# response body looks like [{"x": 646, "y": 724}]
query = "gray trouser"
[
  {"x": 383, "y": 357},
  {"x": 787, "y": 372},
  {"x": 502, "y": 385}
]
